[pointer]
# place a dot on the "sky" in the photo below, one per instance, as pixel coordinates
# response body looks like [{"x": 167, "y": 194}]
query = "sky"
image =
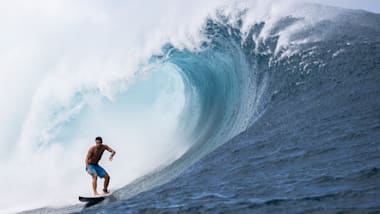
[{"x": 369, "y": 5}]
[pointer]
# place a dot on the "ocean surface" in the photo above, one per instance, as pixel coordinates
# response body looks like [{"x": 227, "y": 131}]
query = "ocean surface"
[{"x": 282, "y": 116}]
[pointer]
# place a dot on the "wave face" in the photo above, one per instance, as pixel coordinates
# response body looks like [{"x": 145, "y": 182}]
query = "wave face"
[{"x": 257, "y": 109}]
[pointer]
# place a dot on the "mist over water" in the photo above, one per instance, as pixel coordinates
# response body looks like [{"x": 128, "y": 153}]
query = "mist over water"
[{"x": 57, "y": 163}]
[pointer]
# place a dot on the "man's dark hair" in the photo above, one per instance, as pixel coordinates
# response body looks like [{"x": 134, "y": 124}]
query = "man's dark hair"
[{"x": 99, "y": 138}]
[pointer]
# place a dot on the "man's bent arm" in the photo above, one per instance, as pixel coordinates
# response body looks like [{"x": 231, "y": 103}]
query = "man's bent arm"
[{"x": 111, "y": 150}]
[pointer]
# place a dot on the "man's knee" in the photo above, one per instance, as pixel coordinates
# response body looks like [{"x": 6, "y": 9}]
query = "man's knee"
[{"x": 94, "y": 176}]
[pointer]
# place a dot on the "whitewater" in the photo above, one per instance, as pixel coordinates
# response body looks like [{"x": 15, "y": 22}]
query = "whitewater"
[{"x": 217, "y": 106}]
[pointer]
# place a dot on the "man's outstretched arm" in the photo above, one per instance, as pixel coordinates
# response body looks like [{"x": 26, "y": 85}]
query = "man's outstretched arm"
[{"x": 112, "y": 152}]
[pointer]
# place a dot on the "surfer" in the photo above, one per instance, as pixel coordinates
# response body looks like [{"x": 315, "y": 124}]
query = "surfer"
[{"x": 92, "y": 164}]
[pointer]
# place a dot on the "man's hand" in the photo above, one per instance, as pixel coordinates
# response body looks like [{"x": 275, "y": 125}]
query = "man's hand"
[
  {"x": 111, "y": 158},
  {"x": 88, "y": 169}
]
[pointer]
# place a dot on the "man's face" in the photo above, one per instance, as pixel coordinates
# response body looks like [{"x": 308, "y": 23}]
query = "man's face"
[{"x": 98, "y": 142}]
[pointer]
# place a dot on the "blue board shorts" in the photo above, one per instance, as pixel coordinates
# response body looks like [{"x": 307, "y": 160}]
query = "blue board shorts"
[{"x": 96, "y": 169}]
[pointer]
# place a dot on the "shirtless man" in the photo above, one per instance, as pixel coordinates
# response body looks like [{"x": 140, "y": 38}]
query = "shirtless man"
[{"x": 92, "y": 167}]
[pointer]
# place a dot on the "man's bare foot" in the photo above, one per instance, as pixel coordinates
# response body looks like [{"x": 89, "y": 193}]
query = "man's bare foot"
[
  {"x": 96, "y": 194},
  {"x": 106, "y": 192}
]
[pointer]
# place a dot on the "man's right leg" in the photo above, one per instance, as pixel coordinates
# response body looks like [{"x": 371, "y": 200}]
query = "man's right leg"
[{"x": 94, "y": 182}]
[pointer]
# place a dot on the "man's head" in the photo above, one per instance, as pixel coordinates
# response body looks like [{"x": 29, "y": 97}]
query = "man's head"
[{"x": 98, "y": 140}]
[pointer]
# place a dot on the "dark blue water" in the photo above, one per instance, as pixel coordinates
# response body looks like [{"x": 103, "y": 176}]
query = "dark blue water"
[{"x": 292, "y": 134}]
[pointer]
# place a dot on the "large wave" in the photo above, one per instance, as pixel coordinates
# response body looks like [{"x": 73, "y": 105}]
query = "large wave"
[
  {"x": 163, "y": 91},
  {"x": 230, "y": 81}
]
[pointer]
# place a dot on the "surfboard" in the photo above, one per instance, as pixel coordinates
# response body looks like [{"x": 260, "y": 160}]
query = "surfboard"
[{"x": 92, "y": 200}]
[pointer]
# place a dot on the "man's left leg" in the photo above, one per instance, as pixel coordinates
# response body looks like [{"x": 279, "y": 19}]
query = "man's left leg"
[
  {"x": 106, "y": 182},
  {"x": 103, "y": 174}
]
